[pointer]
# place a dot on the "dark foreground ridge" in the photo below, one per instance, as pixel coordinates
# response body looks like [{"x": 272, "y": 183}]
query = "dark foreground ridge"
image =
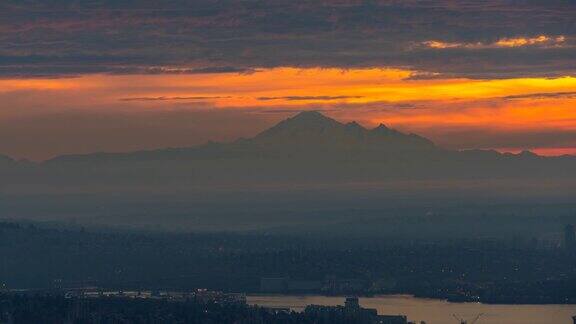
[{"x": 201, "y": 307}]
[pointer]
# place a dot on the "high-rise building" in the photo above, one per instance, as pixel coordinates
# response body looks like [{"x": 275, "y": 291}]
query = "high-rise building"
[
  {"x": 569, "y": 237},
  {"x": 352, "y": 303}
]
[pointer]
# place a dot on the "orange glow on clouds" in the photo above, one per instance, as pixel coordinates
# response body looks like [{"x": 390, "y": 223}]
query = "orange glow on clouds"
[
  {"x": 367, "y": 95},
  {"x": 39, "y": 84},
  {"x": 517, "y": 42},
  {"x": 286, "y": 87},
  {"x": 542, "y": 40}
]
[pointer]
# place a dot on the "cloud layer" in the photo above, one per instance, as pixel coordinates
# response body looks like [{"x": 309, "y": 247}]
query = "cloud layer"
[{"x": 477, "y": 39}]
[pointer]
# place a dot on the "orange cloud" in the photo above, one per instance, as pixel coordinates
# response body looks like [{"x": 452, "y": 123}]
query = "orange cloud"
[
  {"x": 285, "y": 87},
  {"x": 542, "y": 40},
  {"x": 523, "y": 41}
]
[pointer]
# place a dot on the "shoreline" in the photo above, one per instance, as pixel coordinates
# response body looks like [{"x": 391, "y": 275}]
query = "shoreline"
[{"x": 408, "y": 296}]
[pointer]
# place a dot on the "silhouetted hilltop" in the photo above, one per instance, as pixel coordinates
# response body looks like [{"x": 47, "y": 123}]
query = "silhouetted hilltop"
[{"x": 312, "y": 130}]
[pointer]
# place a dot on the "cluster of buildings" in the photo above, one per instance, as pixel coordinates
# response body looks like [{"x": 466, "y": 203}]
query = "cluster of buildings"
[
  {"x": 352, "y": 311},
  {"x": 202, "y": 296}
]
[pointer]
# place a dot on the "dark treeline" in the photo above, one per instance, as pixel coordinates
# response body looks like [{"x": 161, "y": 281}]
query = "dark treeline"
[{"x": 513, "y": 270}]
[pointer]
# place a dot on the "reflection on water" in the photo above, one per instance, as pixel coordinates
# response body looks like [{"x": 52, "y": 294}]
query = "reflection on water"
[{"x": 435, "y": 311}]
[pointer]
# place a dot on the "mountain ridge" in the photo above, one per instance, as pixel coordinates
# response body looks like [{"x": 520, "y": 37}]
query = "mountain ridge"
[
  {"x": 303, "y": 132},
  {"x": 305, "y": 149},
  {"x": 311, "y": 128},
  {"x": 334, "y": 135}
]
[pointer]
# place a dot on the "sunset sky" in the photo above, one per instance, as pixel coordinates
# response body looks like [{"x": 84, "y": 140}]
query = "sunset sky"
[{"x": 87, "y": 76}]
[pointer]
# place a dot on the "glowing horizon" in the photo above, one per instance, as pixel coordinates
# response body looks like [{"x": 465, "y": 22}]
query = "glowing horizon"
[{"x": 396, "y": 97}]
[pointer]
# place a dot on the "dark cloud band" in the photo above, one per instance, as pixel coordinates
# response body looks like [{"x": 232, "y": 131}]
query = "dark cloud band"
[
  {"x": 544, "y": 95},
  {"x": 40, "y": 38}
]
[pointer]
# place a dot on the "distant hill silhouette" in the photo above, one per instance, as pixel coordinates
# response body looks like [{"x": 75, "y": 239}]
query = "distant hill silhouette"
[{"x": 307, "y": 148}]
